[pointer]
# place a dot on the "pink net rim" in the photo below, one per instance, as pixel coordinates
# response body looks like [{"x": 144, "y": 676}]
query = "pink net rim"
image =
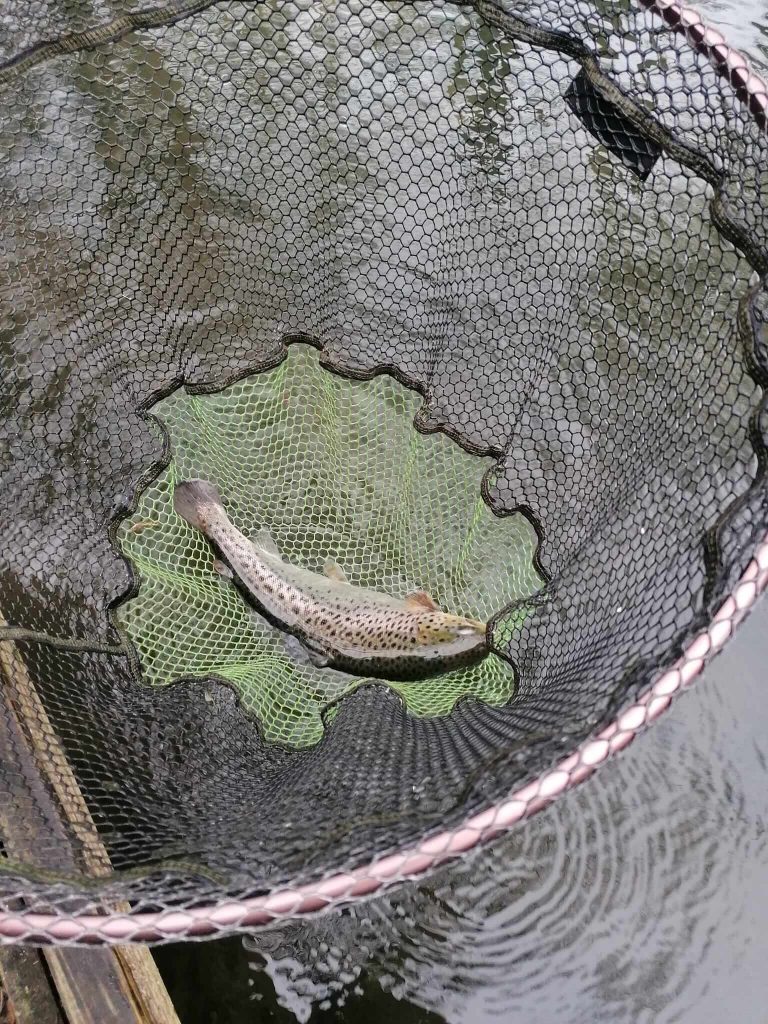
[{"x": 415, "y": 860}]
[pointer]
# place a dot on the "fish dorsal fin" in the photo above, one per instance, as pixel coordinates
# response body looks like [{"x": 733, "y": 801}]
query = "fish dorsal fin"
[
  {"x": 420, "y": 600},
  {"x": 333, "y": 571},
  {"x": 266, "y": 542}
]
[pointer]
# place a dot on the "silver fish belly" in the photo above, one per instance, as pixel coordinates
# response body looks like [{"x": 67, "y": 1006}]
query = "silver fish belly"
[{"x": 345, "y": 627}]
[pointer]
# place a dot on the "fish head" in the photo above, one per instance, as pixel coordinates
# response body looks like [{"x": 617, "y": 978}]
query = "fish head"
[
  {"x": 196, "y": 501},
  {"x": 440, "y": 629}
]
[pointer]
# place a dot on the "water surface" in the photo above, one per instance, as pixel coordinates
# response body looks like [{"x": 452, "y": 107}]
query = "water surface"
[{"x": 641, "y": 897}]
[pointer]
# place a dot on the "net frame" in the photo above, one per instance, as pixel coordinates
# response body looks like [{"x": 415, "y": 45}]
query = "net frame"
[
  {"x": 479, "y": 828},
  {"x": 413, "y": 861}
]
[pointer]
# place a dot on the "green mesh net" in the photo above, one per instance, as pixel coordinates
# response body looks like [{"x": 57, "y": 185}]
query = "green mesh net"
[{"x": 330, "y": 467}]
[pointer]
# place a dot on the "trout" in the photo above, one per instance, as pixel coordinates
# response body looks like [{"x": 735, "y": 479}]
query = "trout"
[{"x": 339, "y": 625}]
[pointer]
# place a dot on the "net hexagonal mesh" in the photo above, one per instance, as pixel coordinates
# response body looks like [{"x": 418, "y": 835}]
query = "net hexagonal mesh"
[
  {"x": 325, "y": 466},
  {"x": 468, "y": 297}
]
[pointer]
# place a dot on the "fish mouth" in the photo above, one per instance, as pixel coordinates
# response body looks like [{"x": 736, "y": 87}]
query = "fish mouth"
[{"x": 472, "y": 627}]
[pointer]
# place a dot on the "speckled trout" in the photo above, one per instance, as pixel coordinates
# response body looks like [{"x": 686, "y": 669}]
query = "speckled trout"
[{"x": 339, "y": 625}]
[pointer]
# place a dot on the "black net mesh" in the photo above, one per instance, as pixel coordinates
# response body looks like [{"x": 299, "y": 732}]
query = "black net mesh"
[{"x": 546, "y": 219}]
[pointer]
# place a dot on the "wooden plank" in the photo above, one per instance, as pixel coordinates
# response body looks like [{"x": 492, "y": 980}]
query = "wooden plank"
[
  {"x": 47, "y": 824},
  {"x": 35, "y": 734},
  {"x": 147, "y": 987},
  {"x": 23, "y": 972},
  {"x": 93, "y": 987}
]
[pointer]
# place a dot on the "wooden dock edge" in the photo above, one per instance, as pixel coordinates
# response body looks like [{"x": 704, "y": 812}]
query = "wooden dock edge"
[{"x": 59, "y": 984}]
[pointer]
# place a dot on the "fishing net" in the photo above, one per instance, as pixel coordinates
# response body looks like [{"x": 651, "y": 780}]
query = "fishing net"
[
  {"x": 468, "y": 297},
  {"x": 308, "y": 457}
]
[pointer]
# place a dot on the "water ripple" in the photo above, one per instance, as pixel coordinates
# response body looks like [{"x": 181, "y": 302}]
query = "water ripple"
[{"x": 633, "y": 899}]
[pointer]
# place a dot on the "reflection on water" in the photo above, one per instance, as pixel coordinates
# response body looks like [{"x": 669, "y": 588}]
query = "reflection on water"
[
  {"x": 639, "y": 898},
  {"x": 744, "y": 24}
]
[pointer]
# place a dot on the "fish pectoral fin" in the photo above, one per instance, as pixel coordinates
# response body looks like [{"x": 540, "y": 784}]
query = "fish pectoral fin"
[
  {"x": 420, "y": 600},
  {"x": 315, "y": 651},
  {"x": 299, "y": 651},
  {"x": 333, "y": 571},
  {"x": 266, "y": 542},
  {"x": 306, "y": 650},
  {"x": 222, "y": 569}
]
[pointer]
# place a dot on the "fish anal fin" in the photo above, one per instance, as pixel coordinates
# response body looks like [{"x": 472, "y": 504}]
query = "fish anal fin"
[
  {"x": 420, "y": 601},
  {"x": 266, "y": 542},
  {"x": 333, "y": 571}
]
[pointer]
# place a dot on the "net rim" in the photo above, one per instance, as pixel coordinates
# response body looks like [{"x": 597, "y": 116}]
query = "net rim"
[
  {"x": 413, "y": 861},
  {"x": 480, "y": 827}
]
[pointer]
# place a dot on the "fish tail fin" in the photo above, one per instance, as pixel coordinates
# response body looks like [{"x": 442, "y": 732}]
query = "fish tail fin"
[{"x": 195, "y": 500}]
